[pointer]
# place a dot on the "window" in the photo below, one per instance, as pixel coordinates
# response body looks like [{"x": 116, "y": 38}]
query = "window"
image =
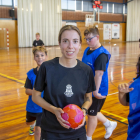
[
  {"x": 90, "y": 6},
  {"x": 7, "y": 2},
  {"x": 71, "y": 5},
  {"x": 15, "y": 2},
  {"x": 109, "y": 8},
  {"x": 64, "y": 4},
  {"x": 118, "y": 8},
  {"x": 0, "y": 2},
  {"x": 78, "y": 5},
  {"x": 85, "y": 6},
  {"x": 104, "y": 10},
  {"x": 125, "y": 9}
]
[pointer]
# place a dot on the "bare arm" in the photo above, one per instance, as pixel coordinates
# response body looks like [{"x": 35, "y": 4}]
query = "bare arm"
[
  {"x": 36, "y": 97},
  {"x": 28, "y": 91},
  {"x": 122, "y": 99},
  {"x": 98, "y": 79},
  {"x": 123, "y": 89},
  {"x": 86, "y": 105},
  {"x": 87, "y": 102}
]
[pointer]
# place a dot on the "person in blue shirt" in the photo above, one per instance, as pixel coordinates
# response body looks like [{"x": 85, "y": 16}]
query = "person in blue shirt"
[
  {"x": 34, "y": 112},
  {"x": 129, "y": 95},
  {"x": 97, "y": 57}
]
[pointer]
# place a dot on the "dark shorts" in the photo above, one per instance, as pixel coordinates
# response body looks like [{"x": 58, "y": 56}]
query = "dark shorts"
[
  {"x": 49, "y": 136},
  {"x": 30, "y": 117},
  {"x": 96, "y": 106}
]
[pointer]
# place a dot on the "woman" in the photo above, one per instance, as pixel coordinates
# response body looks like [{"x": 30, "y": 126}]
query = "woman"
[{"x": 65, "y": 80}]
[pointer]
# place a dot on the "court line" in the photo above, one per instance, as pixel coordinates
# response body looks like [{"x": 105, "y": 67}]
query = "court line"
[
  {"x": 112, "y": 93},
  {"x": 22, "y": 82},
  {"x": 12, "y": 78},
  {"x": 122, "y": 118},
  {"x": 116, "y": 120}
]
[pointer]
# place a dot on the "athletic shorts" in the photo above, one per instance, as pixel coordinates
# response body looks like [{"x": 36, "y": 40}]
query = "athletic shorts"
[
  {"x": 45, "y": 135},
  {"x": 96, "y": 106},
  {"x": 30, "y": 117}
]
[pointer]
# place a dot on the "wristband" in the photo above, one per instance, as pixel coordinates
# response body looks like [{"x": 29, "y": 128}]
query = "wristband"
[{"x": 85, "y": 110}]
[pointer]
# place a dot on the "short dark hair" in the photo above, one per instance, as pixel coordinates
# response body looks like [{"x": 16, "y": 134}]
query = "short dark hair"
[{"x": 94, "y": 30}]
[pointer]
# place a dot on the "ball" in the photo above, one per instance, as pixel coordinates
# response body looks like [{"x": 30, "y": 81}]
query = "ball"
[{"x": 73, "y": 114}]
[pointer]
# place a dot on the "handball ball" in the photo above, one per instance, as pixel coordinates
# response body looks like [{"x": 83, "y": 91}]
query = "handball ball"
[{"x": 73, "y": 114}]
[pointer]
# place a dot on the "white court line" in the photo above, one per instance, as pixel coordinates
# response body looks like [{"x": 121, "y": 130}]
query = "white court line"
[{"x": 112, "y": 94}]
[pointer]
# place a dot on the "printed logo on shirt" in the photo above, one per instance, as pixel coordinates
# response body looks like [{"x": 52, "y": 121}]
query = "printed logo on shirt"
[
  {"x": 68, "y": 91},
  {"x": 91, "y": 111},
  {"x": 36, "y": 44},
  {"x": 134, "y": 106},
  {"x": 89, "y": 63}
]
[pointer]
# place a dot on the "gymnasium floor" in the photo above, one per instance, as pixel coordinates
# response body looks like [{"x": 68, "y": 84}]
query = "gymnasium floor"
[{"x": 16, "y": 62}]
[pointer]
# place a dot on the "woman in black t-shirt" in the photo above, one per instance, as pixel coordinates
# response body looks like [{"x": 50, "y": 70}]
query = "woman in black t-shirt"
[{"x": 65, "y": 80}]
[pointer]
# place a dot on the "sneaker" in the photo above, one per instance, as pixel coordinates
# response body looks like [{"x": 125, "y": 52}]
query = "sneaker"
[
  {"x": 110, "y": 129},
  {"x": 31, "y": 131}
]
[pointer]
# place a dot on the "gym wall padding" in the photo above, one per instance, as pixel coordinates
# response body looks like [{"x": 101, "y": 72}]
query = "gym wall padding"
[{"x": 11, "y": 25}]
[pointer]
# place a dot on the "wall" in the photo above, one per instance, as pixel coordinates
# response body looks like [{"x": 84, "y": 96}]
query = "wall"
[
  {"x": 104, "y": 17},
  {"x": 122, "y": 33},
  {"x": 4, "y": 12},
  {"x": 117, "y": 1},
  {"x": 11, "y": 25},
  {"x": 66, "y": 15},
  {"x": 72, "y": 15},
  {"x": 111, "y": 17},
  {"x": 81, "y": 26}
]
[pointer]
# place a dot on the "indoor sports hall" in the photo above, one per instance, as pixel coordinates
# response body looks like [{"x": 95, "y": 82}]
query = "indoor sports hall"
[{"x": 118, "y": 22}]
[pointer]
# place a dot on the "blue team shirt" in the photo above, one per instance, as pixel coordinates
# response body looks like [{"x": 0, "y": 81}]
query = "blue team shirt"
[
  {"x": 134, "y": 111},
  {"x": 31, "y": 106},
  {"x": 90, "y": 60}
]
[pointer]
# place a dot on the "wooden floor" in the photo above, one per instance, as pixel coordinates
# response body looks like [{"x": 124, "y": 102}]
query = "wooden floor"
[{"x": 16, "y": 62}]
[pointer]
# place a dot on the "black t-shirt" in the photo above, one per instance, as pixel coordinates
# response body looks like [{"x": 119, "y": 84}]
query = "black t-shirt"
[
  {"x": 38, "y": 43},
  {"x": 127, "y": 97},
  {"x": 100, "y": 62},
  {"x": 63, "y": 86},
  {"x": 28, "y": 83}
]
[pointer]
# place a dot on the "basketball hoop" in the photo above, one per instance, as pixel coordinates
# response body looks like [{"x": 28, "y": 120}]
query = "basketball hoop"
[{"x": 89, "y": 20}]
